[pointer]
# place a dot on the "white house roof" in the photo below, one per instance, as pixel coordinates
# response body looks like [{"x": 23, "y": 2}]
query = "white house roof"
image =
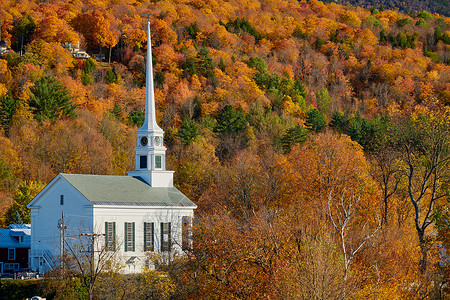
[
  {"x": 7, "y": 236},
  {"x": 125, "y": 190}
]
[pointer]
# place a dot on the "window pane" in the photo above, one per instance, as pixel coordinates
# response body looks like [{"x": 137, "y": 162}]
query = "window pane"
[
  {"x": 148, "y": 238},
  {"x": 186, "y": 233},
  {"x": 129, "y": 237},
  {"x": 165, "y": 237},
  {"x": 110, "y": 236},
  {"x": 11, "y": 254},
  {"x": 158, "y": 162},
  {"x": 143, "y": 162}
]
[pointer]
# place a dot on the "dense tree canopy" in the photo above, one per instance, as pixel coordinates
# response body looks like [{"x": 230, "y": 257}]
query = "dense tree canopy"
[{"x": 312, "y": 136}]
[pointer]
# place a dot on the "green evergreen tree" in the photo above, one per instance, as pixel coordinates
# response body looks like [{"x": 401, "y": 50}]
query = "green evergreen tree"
[
  {"x": 188, "y": 132},
  {"x": 8, "y": 106},
  {"x": 231, "y": 120},
  {"x": 136, "y": 118},
  {"x": 257, "y": 63},
  {"x": 189, "y": 66},
  {"x": 111, "y": 76},
  {"x": 192, "y": 30},
  {"x": 425, "y": 15},
  {"x": 244, "y": 25},
  {"x": 383, "y": 37},
  {"x": 340, "y": 122},
  {"x": 117, "y": 111},
  {"x": 87, "y": 79},
  {"x": 369, "y": 134},
  {"x": 294, "y": 135},
  {"x": 421, "y": 22},
  {"x": 315, "y": 121},
  {"x": 446, "y": 38},
  {"x": 159, "y": 78},
  {"x": 50, "y": 100},
  {"x": 300, "y": 88},
  {"x": 402, "y": 22},
  {"x": 323, "y": 101},
  {"x": 205, "y": 65},
  {"x": 437, "y": 34},
  {"x": 90, "y": 66}
]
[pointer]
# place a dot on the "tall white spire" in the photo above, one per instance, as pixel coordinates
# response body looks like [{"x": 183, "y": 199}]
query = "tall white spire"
[
  {"x": 150, "y": 116},
  {"x": 150, "y": 150}
]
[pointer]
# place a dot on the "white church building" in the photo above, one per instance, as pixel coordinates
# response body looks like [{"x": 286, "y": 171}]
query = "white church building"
[{"x": 132, "y": 217}]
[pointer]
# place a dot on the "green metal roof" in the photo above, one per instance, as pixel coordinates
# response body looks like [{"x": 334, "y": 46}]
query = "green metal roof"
[{"x": 125, "y": 190}]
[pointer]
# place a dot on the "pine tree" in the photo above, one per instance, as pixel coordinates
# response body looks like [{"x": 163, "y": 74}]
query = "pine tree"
[
  {"x": 231, "y": 120},
  {"x": 8, "y": 106},
  {"x": 315, "y": 121},
  {"x": 50, "y": 100},
  {"x": 205, "y": 63},
  {"x": 294, "y": 135},
  {"x": 188, "y": 132}
]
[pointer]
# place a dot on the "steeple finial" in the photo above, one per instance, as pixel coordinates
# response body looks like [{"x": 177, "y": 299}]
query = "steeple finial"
[{"x": 150, "y": 116}]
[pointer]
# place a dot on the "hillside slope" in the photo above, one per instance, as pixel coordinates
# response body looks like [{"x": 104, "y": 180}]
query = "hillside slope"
[{"x": 441, "y": 7}]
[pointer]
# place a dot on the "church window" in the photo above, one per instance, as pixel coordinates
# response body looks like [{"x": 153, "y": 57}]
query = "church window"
[
  {"x": 129, "y": 236},
  {"x": 61, "y": 200},
  {"x": 158, "y": 160},
  {"x": 186, "y": 233},
  {"x": 110, "y": 236},
  {"x": 165, "y": 237},
  {"x": 143, "y": 162},
  {"x": 11, "y": 253},
  {"x": 149, "y": 230}
]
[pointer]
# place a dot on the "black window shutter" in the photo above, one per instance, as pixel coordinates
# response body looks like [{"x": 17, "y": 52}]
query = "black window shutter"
[
  {"x": 162, "y": 237},
  {"x": 114, "y": 236},
  {"x": 106, "y": 235},
  {"x": 153, "y": 236},
  {"x": 169, "y": 241},
  {"x": 145, "y": 236},
  {"x": 126, "y": 237},
  {"x": 133, "y": 236}
]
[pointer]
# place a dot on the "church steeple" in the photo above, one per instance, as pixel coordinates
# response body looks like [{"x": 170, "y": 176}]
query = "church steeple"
[
  {"x": 150, "y": 117},
  {"x": 150, "y": 150}
]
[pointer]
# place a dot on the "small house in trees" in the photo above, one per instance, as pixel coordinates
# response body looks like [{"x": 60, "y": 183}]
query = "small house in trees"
[
  {"x": 3, "y": 48},
  {"x": 75, "y": 50},
  {"x": 103, "y": 219},
  {"x": 14, "y": 247}
]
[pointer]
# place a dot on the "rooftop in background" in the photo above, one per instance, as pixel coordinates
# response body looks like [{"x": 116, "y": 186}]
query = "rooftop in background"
[{"x": 11, "y": 237}]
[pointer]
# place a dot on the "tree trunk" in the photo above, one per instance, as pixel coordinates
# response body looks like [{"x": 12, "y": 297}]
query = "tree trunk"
[{"x": 424, "y": 251}]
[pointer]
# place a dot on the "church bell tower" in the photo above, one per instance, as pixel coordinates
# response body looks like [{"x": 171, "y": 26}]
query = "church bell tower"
[{"x": 150, "y": 150}]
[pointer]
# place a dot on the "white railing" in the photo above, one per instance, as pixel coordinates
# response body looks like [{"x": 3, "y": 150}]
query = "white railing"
[{"x": 50, "y": 261}]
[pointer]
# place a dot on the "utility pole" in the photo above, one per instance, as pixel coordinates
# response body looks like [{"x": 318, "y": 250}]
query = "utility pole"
[
  {"x": 92, "y": 236},
  {"x": 63, "y": 241},
  {"x": 62, "y": 227}
]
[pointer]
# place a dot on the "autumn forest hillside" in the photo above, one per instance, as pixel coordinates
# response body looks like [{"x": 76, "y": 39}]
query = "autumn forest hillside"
[
  {"x": 314, "y": 137},
  {"x": 410, "y": 7}
]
